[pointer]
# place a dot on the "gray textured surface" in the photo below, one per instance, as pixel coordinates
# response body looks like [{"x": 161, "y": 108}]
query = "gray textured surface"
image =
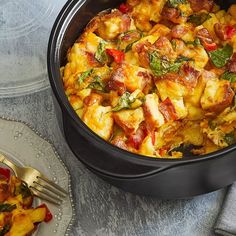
[
  {"x": 103, "y": 209},
  {"x": 225, "y": 224}
]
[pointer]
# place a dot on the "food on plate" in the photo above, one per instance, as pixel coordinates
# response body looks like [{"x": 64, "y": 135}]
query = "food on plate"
[
  {"x": 156, "y": 77},
  {"x": 17, "y": 216}
]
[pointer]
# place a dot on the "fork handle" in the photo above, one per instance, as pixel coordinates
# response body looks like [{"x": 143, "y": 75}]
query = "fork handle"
[{"x": 5, "y": 161}]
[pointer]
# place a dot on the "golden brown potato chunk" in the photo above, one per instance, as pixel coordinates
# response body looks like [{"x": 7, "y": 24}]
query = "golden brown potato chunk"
[{"x": 217, "y": 95}]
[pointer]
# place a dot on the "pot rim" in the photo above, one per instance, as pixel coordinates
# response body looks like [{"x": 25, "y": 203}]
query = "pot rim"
[{"x": 53, "y": 65}]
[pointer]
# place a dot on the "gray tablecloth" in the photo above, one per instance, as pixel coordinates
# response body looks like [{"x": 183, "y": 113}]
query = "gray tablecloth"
[
  {"x": 226, "y": 223},
  {"x": 105, "y": 210}
]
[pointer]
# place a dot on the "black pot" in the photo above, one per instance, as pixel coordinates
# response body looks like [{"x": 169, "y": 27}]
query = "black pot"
[{"x": 162, "y": 178}]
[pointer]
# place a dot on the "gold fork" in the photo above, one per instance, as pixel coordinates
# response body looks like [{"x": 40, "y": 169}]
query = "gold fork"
[{"x": 37, "y": 182}]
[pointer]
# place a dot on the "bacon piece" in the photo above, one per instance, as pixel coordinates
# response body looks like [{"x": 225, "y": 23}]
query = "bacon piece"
[
  {"x": 92, "y": 60},
  {"x": 168, "y": 110},
  {"x": 137, "y": 138},
  {"x": 231, "y": 65},
  {"x": 170, "y": 13},
  {"x": 220, "y": 31},
  {"x": 143, "y": 50},
  {"x": 116, "y": 81},
  {"x": 206, "y": 39},
  {"x": 125, "y": 23},
  {"x": 178, "y": 31},
  {"x": 198, "y": 5},
  {"x": 165, "y": 48},
  {"x": 189, "y": 76}
]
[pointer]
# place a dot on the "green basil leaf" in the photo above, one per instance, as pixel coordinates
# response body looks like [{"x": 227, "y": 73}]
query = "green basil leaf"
[
  {"x": 7, "y": 207},
  {"x": 84, "y": 75},
  {"x": 124, "y": 102},
  {"x": 5, "y": 229},
  {"x": 155, "y": 63},
  {"x": 160, "y": 66},
  {"x": 230, "y": 138},
  {"x": 198, "y": 19},
  {"x": 97, "y": 84},
  {"x": 100, "y": 54},
  {"x": 229, "y": 76},
  {"x": 221, "y": 56},
  {"x": 24, "y": 190},
  {"x": 175, "y": 3}
]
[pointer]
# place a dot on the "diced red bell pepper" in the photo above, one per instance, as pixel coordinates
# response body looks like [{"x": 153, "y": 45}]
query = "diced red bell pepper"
[
  {"x": 210, "y": 46},
  {"x": 48, "y": 216},
  {"x": 229, "y": 31},
  {"x": 117, "y": 55},
  {"x": 5, "y": 172},
  {"x": 124, "y": 8}
]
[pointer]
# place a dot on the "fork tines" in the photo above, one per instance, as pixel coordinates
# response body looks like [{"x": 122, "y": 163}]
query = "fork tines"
[{"x": 48, "y": 190}]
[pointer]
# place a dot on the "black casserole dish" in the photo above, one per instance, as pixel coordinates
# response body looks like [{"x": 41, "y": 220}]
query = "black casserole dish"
[{"x": 163, "y": 178}]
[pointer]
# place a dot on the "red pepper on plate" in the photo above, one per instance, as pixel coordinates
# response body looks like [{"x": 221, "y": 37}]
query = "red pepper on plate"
[{"x": 5, "y": 172}]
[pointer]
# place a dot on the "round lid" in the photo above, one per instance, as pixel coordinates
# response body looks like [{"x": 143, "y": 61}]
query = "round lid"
[{"x": 24, "y": 31}]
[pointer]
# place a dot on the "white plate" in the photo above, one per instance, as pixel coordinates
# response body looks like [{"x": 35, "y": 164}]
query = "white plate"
[{"x": 26, "y": 148}]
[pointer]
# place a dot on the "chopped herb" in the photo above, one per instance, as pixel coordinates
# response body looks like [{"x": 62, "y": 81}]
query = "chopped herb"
[
  {"x": 4, "y": 230},
  {"x": 175, "y": 3},
  {"x": 124, "y": 102},
  {"x": 160, "y": 66},
  {"x": 129, "y": 46},
  {"x": 230, "y": 138},
  {"x": 24, "y": 190},
  {"x": 181, "y": 59},
  {"x": 84, "y": 75},
  {"x": 198, "y": 19},
  {"x": 230, "y": 76},
  {"x": 100, "y": 54},
  {"x": 155, "y": 64},
  {"x": 196, "y": 42},
  {"x": 97, "y": 84},
  {"x": 5, "y": 207},
  {"x": 221, "y": 56}
]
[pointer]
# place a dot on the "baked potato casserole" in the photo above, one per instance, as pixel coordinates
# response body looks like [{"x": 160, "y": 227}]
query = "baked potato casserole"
[
  {"x": 17, "y": 216},
  {"x": 155, "y": 76}
]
